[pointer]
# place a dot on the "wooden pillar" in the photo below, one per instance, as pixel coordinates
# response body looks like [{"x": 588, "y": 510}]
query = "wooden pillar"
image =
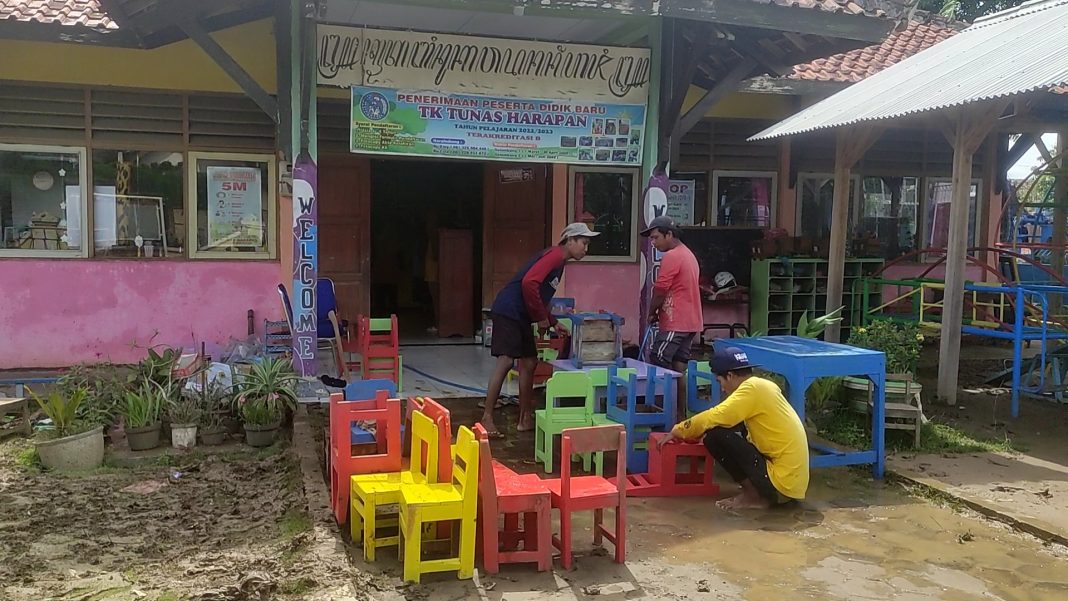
[
  {"x": 1060, "y": 218},
  {"x": 850, "y": 146},
  {"x": 966, "y": 131}
]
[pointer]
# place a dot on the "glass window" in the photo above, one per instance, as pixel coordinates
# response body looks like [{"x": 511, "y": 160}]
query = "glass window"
[
  {"x": 606, "y": 200},
  {"x": 889, "y": 214},
  {"x": 41, "y": 201},
  {"x": 744, "y": 198},
  {"x": 817, "y": 200},
  {"x": 939, "y": 197},
  {"x": 137, "y": 204},
  {"x": 235, "y": 212}
]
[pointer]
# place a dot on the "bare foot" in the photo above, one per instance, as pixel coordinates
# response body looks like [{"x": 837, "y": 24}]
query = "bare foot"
[
  {"x": 743, "y": 501},
  {"x": 526, "y": 424}
]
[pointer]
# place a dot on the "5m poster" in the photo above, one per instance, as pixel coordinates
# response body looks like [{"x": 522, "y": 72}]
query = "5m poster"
[
  {"x": 235, "y": 207},
  {"x": 433, "y": 124}
]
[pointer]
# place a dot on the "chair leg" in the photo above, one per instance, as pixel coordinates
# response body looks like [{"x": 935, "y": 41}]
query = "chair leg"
[
  {"x": 412, "y": 532},
  {"x": 467, "y": 549},
  {"x": 565, "y": 539},
  {"x": 598, "y": 519},
  {"x": 545, "y": 538},
  {"x": 356, "y": 523},
  {"x": 621, "y": 532},
  {"x": 490, "y": 543},
  {"x": 369, "y": 518}
]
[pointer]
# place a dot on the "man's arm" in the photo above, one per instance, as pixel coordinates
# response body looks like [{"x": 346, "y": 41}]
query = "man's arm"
[
  {"x": 531, "y": 286},
  {"x": 669, "y": 270},
  {"x": 734, "y": 410}
]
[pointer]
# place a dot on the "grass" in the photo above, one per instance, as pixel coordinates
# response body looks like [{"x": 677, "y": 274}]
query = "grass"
[
  {"x": 293, "y": 523},
  {"x": 28, "y": 459},
  {"x": 847, "y": 428}
]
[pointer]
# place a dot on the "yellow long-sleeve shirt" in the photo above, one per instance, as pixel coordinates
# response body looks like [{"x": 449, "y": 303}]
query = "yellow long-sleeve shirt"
[{"x": 774, "y": 429}]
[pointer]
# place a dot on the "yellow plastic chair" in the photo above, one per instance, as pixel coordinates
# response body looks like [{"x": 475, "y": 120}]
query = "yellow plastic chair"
[
  {"x": 370, "y": 491},
  {"x": 422, "y": 504}
]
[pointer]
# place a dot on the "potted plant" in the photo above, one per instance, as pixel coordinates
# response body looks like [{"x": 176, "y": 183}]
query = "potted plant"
[
  {"x": 106, "y": 385},
  {"x": 901, "y": 343},
  {"x": 214, "y": 400},
  {"x": 72, "y": 444},
  {"x": 184, "y": 412},
  {"x": 142, "y": 411},
  {"x": 264, "y": 395}
]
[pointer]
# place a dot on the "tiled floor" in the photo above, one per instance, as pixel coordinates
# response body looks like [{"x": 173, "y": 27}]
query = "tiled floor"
[{"x": 452, "y": 371}]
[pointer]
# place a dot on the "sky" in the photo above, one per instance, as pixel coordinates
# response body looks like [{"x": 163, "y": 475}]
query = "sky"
[{"x": 1031, "y": 159}]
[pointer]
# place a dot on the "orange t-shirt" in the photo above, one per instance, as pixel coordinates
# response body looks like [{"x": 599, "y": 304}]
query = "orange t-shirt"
[{"x": 679, "y": 282}]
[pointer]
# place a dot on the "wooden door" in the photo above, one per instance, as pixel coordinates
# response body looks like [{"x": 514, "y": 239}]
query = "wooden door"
[
  {"x": 456, "y": 258},
  {"x": 515, "y": 221},
  {"x": 345, "y": 230}
]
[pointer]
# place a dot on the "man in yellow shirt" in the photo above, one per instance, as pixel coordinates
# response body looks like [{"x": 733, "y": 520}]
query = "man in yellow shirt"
[{"x": 771, "y": 463}]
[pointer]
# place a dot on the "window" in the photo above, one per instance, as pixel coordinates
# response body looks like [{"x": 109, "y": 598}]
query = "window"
[
  {"x": 606, "y": 200},
  {"x": 816, "y": 193},
  {"x": 744, "y": 198},
  {"x": 936, "y": 225},
  {"x": 235, "y": 214},
  {"x": 138, "y": 208},
  {"x": 41, "y": 201},
  {"x": 889, "y": 214}
]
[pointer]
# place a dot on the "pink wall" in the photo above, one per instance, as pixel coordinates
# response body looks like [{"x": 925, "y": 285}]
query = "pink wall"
[
  {"x": 614, "y": 287},
  {"x": 56, "y": 313}
]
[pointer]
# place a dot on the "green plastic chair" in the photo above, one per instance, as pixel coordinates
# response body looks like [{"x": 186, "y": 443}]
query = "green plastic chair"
[{"x": 554, "y": 419}]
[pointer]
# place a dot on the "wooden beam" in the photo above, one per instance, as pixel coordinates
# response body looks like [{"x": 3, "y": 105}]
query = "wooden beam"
[
  {"x": 57, "y": 33},
  {"x": 1042, "y": 150},
  {"x": 625, "y": 33},
  {"x": 683, "y": 63},
  {"x": 970, "y": 127},
  {"x": 198, "y": 34},
  {"x": 283, "y": 24},
  {"x": 780, "y": 18},
  {"x": 791, "y": 87},
  {"x": 1060, "y": 218},
  {"x": 727, "y": 84},
  {"x": 850, "y": 146}
]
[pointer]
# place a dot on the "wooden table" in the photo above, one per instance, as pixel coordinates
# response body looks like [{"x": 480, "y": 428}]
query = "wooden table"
[{"x": 17, "y": 406}]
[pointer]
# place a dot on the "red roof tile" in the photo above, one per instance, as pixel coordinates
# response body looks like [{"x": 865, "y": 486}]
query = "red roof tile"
[
  {"x": 922, "y": 32},
  {"x": 86, "y": 13}
]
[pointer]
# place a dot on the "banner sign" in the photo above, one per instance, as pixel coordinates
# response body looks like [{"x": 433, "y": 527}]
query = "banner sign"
[
  {"x": 655, "y": 204},
  {"x": 236, "y": 207},
  {"x": 409, "y": 60},
  {"x": 680, "y": 199},
  {"x": 305, "y": 263},
  {"x": 430, "y": 124}
]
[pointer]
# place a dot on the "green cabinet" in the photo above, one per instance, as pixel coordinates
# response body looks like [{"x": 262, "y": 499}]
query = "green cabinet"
[{"x": 781, "y": 290}]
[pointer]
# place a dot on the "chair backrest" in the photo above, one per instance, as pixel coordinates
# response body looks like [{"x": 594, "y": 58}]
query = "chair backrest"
[
  {"x": 325, "y": 303},
  {"x": 698, "y": 373},
  {"x": 593, "y": 439},
  {"x": 360, "y": 390},
  {"x": 465, "y": 465},
  {"x": 435, "y": 411},
  {"x": 287, "y": 306},
  {"x": 379, "y": 333},
  {"x": 487, "y": 482},
  {"x": 659, "y": 381},
  {"x": 613, "y": 378},
  {"x": 424, "y": 463},
  {"x": 345, "y": 410},
  {"x": 565, "y": 385}
]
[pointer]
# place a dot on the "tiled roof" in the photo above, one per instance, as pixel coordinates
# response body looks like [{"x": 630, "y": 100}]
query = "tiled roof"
[
  {"x": 85, "y": 13},
  {"x": 921, "y": 33},
  {"x": 831, "y": 6}
]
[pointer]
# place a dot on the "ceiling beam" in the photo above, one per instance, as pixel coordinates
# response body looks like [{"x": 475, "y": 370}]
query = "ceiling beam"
[
  {"x": 114, "y": 10},
  {"x": 198, "y": 34},
  {"x": 727, "y": 84}
]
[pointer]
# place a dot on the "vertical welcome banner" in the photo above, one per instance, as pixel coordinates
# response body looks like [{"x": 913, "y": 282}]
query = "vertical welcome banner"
[
  {"x": 655, "y": 205},
  {"x": 305, "y": 263}
]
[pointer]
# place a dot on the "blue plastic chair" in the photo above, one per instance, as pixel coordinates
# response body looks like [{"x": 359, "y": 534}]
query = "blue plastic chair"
[
  {"x": 642, "y": 414},
  {"x": 698, "y": 373},
  {"x": 325, "y": 302},
  {"x": 365, "y": 390}
]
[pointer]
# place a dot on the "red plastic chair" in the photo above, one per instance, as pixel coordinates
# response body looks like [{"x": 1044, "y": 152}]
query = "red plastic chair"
[
  {"x": 379, "y": 349},
  {"x": 583, "y": 493},
  {"x": 386, "y": 455},
  {"x": 664, "y": 479},
  {"x": 502, "y": 492}
]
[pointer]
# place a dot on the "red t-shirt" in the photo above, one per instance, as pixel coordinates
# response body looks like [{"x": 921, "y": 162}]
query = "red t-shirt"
[{"x": 679, "y": 282}]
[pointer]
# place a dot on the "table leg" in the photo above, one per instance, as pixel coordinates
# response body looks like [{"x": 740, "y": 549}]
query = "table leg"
[{"x": 878, "y": 424}]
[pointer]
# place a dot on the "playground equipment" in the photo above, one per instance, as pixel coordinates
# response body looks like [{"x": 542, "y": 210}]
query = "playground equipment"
[{"x": 1026, "y": 225}]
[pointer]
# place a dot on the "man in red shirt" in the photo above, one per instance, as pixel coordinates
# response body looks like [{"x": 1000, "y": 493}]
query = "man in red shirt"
[
  {"x": 676, "y": 305},
  {"x": 522, "y": 302}
]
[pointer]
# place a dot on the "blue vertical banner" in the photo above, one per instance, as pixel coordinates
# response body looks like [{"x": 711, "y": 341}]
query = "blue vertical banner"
[
  {"x": 305, "y": 263},
  {"x": 654, "y": 205}
]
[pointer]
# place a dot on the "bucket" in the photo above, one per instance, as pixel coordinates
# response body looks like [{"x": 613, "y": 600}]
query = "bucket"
[{"x": 183, "y": 436}]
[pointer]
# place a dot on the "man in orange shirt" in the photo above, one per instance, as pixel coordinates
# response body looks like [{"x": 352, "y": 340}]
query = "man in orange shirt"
[{"x": 676, "y": 305}]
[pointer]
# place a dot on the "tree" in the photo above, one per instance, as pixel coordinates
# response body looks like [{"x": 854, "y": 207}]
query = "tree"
[{"x": 967, "y": 10}]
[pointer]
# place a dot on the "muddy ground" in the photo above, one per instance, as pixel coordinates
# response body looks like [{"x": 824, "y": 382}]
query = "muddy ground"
[{"x": 210, "y": 528}]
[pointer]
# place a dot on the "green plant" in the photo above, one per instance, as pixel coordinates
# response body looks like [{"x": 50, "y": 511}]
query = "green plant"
[
  {"x": 900, "y": 342},
  {"x": 267, "y": 391},
  {"x": 62, "y": 409},
  {"x": 213, "y": 401},
  {"x": 815, "y": 327},
  {"x": 144, "y": 406},
  {"x": 106, "y": 384},
  {"x": 184, "y": 410},
  {"x": 156, "y": 367}
]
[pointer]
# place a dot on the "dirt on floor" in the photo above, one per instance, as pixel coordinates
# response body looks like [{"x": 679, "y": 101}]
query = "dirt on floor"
[{"x": 229, "y": 527}]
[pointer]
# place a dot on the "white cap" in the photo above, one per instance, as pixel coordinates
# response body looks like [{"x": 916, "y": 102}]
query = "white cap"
[{"x": 577, "y": 230}]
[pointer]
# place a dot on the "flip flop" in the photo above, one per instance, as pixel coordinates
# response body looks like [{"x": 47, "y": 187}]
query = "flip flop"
[
  {"x": 495, "y": 435},
  {"x": 501, "y": 403}
]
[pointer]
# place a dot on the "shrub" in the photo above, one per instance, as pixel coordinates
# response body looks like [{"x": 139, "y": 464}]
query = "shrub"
[{"x": 901, "y": 342}]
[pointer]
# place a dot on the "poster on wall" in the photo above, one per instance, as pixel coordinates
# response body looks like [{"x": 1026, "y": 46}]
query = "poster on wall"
[
  {"x": 680, "y": 199},
  {"x": 236, "y": 207},
  {"x": 383, "y": 58},
  {"x": 492, "y": 128}
]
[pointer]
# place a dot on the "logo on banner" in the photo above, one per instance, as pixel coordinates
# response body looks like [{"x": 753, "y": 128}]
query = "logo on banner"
[
  {"x": 374, "y": 106},
  {"x": 656, "y": 204}
]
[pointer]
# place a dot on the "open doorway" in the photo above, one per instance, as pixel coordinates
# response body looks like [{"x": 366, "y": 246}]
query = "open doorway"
[{"x": 426, "y": 246}]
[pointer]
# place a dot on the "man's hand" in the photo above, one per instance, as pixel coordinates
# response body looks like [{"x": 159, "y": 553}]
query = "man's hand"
[
  {"x": 561, "y": 331},
  {"x": 654, "y": 317},
  {"x": 543, "y": 327},
  {"x": 670, "y": 439}
]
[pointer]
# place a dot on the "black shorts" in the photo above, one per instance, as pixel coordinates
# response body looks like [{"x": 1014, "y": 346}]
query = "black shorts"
[
  {"x": 512, "y": 338},
  {"x": 671, "y": 347}
]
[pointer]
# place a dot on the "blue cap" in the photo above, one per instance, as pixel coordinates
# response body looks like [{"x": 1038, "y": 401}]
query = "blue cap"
[{"x": 729, "y": 358}]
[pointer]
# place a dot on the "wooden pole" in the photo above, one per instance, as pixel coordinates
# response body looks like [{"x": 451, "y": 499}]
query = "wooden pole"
[{"x": 1060, "y": 219}]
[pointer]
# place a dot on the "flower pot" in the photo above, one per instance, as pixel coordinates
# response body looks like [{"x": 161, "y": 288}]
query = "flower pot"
[
  {"x": 261, "y": 435},
  {"x": 142, "y": 439},
  {"x": 213, "y": 436},
  {"x": 78, "y": 452},
  {"x": 183, "y": 436}
]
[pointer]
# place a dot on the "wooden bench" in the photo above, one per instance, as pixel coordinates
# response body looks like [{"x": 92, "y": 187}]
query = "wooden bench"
[
  {"x": 903, "y": 416},
  {"x": 17, "y": 406}
]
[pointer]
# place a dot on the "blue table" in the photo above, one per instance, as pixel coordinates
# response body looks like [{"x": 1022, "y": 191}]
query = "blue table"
[{"x": 803, "y": 360}]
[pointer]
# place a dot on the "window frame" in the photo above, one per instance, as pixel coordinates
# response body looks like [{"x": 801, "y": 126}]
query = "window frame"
[
  {"x": 636, "y": 192},
  {"x": 925, "y": 202},
  {"x": 192, "y": 202},
  {"x": 773, "y": 197},
  {"x": 855, "y": 181},
  {"x": 917, "y": 234},
  {"x": 83, "y": 179}
]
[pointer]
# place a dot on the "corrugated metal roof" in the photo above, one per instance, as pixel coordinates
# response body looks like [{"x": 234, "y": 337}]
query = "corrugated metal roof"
[{"x": 1013, "y": 52}]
